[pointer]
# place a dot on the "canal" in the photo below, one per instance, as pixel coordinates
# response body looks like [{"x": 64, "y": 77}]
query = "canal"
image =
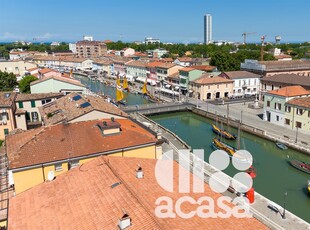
[
  {"x": 97, "y": 87},
  {"x": 274, "y": 175}
]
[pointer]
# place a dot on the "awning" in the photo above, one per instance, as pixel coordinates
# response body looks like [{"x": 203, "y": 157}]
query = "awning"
[
  {"x": 129, "y": 77},
  {"x": 169, "y": 91},
  {"x": 140, "y": 79},
  {"x": 152, "y": 82},
  {"x": 167, "y": 86}
]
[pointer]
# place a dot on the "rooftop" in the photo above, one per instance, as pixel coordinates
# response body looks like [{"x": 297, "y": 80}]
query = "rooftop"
[
  {"x": 57, "y": 78},
  {"x": 7, "y": 99},
  {"x": 71, "y": 107},
  {"x": 288, "y": 79},
  {"x": 209, "y": 79},
  {"x": 239, "y": 74},
  {"x": 95, "y": 195},
  {"x": 85, "y": 138},
  {"x": 207, "y": 68},
  {"x": 37, "y": 96},
  {"x": 290, "y": 91},
  {"x": 136, "y": 64},
  {"x": 301, "y": 102},
  {"x": 166, "y": 65}
]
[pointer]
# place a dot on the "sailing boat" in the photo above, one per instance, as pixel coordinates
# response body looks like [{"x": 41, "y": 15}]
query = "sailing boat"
[
  {"x": 125, "y": 84},
  {"x": 218, "y": 144},
  {"x": 119, "y": 93},
  {"x": 146, "y": 93}
]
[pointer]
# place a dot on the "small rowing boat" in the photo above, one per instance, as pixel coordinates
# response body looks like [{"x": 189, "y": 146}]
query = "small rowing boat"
[
  {"x": 301, "y": 165},
  {"x": 281, "y": 146},
  {"x": 309, "y": 186}
]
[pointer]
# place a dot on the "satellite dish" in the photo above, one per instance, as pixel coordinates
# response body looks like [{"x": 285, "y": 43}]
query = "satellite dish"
[{"x": 50, "y": 175}]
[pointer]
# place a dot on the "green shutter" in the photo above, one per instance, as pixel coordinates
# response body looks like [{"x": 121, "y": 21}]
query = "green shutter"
[
  {"x": 20, "y": 104},
  {"x": 6, "y": 132},
  {"x": 33, "y": 104}
]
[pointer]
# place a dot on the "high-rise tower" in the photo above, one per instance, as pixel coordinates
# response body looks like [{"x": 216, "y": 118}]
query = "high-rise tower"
[{"x": 207, "y": 28}]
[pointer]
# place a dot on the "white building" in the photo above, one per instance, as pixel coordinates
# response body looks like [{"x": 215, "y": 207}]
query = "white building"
[
  {"x": 245, "y": 83},
  {"x": 72, "y": 47},
  {"x": 150, "y": 40},
  {"x": 207, "y": 29},
  {"x": 88, "y": 38}
]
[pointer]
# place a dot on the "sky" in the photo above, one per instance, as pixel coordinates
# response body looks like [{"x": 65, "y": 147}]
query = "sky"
[{"x": 168, "y": 20}]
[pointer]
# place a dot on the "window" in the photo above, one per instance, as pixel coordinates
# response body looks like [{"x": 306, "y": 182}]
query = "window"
[
  {"x": 298, "y": 124},
  {"x": 34, "y": 116},
  {"x": 58, "y": 167},
  {"x": 277, "y": 118},
  {"x": 74, "y": 163},
  {"x": 254, "y": 89},
  {"x": 288, "y": 109},
  {"x": 218, "y": 86},
  {"x": 6, "y": 132},
  {"x": 268, "y": 103},
  {"x": 226, "y": 85},
  {"x": 33, "y": 104},
  {"x": 20, "y": 105},
  {"x": 299, "y": 111},
  {"x": 287, "y": 121},
  {"x": 277, "y": 106},
  {"x": 46, "y": 101},
  {"x": 309, "y": 113}
]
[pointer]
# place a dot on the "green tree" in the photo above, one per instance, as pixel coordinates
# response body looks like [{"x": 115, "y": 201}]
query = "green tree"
[
  {"x": 24, "y": 84},
  {"x": 225, "y": 62},
  {"x": 7, "y": 81}
]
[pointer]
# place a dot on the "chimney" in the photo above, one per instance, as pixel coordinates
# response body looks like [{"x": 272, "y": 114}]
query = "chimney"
[
  {"x": 139, "y": 172},
  {"x": 159, "y": 135},
  {"x": 124, "y": 221}
]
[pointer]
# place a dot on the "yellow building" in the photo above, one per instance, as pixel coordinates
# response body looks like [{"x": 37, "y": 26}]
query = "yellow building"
[
  {"x": 297, "y": 113},
  {"x": 208, "y": 87},
  {"x": 40, "y": 154},
  {"x": 7, "y": 110}
]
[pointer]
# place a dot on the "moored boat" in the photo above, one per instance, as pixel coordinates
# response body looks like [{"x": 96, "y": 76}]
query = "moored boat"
[
  {"x": 281, "y": 146},
  {"x": 223, "y": 133},
  {"x": 309, "y": 186},
  {"x": 301, "y": 165}
]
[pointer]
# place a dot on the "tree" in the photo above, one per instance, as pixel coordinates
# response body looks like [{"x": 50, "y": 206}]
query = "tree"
[
  {"x": 225, "y": 62},
  {"x": 7, "y": 81},
  {"x": 24, "y": 84}
]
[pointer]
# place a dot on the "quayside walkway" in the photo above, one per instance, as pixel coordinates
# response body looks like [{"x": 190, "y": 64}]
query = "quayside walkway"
[
  {"x": 157, "y": 108},
  {"x": 262, "y": 209}
]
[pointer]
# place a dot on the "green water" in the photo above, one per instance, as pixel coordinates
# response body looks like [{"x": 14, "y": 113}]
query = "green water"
[
  {"x": 274, "y": 175},
  {"x": 96, "y": 86}
]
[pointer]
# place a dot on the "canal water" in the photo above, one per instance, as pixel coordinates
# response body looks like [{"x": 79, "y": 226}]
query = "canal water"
[
  {"x": 274, "y": 175},
  {"x": 97, "y": 87}
]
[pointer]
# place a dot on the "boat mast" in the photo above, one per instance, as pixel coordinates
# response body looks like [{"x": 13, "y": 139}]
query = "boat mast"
[{"x": 238, "y": 137}]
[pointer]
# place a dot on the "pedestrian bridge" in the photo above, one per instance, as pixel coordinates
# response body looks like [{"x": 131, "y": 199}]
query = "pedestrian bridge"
[{"x": 148, "y": 109}]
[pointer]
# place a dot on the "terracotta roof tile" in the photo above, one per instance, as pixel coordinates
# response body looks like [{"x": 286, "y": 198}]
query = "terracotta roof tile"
[
  {"x": 57, "y": 78},
  {"x": 239, "y": 75},
  {"x": 209, "y": 79},
  {"x": 186, "y": 69},
  {"x": 302, "y": 102},
  {"x": 292, "y": 79},
  {"x": 7, "y": 99},
  {"x": 153, "y": 64},
  {"x": 290, "y": 91},
  {"x": 166, "y": 65},
  {"x": 136, "y": 64},
  {"x": 66, "y": 109},
  {"x": 46, "y": 70},
  {"x": 53, "y": 143},
  {"x": 84, "y": 199},
  {"x": 37, "y": 96}
]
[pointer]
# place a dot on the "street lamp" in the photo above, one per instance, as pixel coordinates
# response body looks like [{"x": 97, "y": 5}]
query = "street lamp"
[{"x": 284, "y": 206}]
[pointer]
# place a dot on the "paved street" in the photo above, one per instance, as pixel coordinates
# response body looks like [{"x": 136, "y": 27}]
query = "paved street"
[{"x": 253, "y": 117}]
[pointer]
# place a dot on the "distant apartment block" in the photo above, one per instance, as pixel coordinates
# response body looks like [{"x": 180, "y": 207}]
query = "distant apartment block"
[
  {"x": 150, "y": 40},
  {"x": 89, "y": 49},
  {"x": 207, "y": 28},
  {"x": 270, "y": 68}
]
